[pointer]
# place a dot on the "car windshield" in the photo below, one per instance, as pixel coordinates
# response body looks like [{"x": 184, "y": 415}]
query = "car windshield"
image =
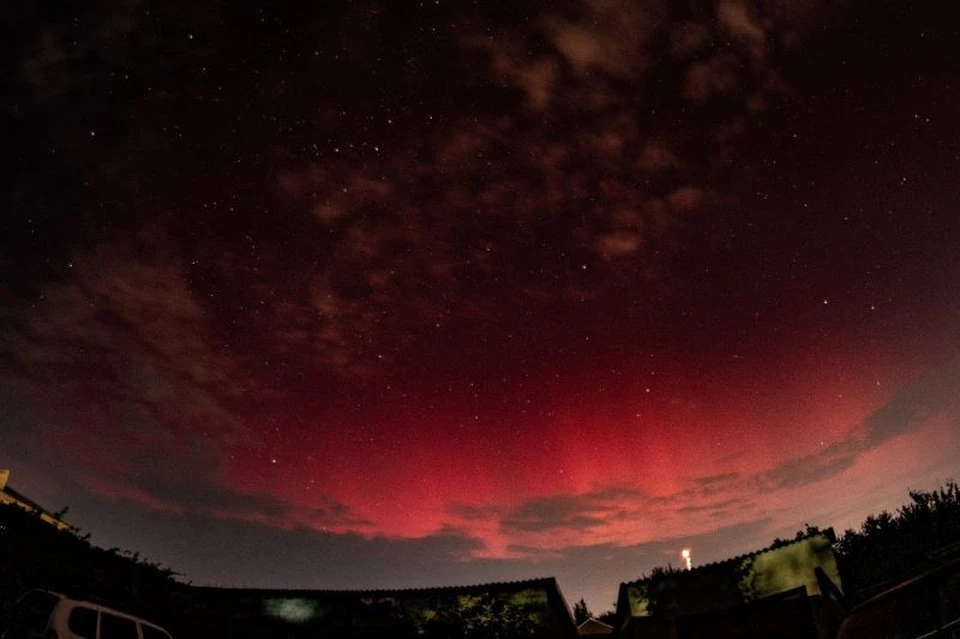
[{"x": 33, "y": 610}]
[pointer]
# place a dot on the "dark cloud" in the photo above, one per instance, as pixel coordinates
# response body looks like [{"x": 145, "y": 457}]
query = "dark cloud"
[
  {"x": 816, "y": 467},
  {"x": 262, "y": 554},
  {"x": 934, "y": 392},
  {"x": 715, "y": 76},
  {"x": 580, "y": 513},
  {"x": 203, "y": 492},
  {"x": 475, "y": 513},
  {"x": 122, "y": 329},
  {"x": 709, "y": 482},
  {"x": 716, "y": 509},
  {"x": 386, "y": 257}
]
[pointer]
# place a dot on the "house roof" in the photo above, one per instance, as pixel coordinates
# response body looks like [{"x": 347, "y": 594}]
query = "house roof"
[
  {"x": 594, "y": 626},
  {"x": 730, "y": 562},
  {"x": 23, "y": 499},
  {"x": 762, "y": 573},
  {"x": 546, "y": 583},
  {"x": 6, "y": 490},
  {"x": 547, "y": 601}
]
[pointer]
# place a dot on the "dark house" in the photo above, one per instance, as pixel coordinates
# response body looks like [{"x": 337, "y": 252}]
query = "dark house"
[
  {"x": 533, "y": 608},
  {"x": 785, "y": 591},
  {"x": 10, "y": 496}
]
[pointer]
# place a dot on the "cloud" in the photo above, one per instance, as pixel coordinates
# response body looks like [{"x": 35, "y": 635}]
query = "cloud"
[
  {"x": 717, "y": 508},
  {"x": 610, "y": 37},
  {"x": 552, "y": 513},
  {"x": 264, "y": 555},
  {"x": 536, "y": 76},
  {"x": 658, "y": 155},
  {"x": 470, "y": 512},
  {"x": 580, "y": 156},
  {"x": 593, "y": 44},
  {"x": 714, "y": 484},
  {"x": 190, "y": 476},
  {"x": 621, "y": 515},
  {"x": 116, "y": 362},
  {"x": 613, "y": 514},
  {"x": 813, "y": 468},
  {"x": 204, "y": 491},
  {"x": 915, "y": 402},
  {"x": 795, "y": 22},
  {"x": 620, "y": 243},
  {"x": 182, "y": 476},
  {"x": 406, "y": 256},
  {"x": 570, "y": 512},
  {"x": 687, "y": 39},
  {"x": 718, "y": 75},
  {"x": 122, "y": 332},
  {"x": 734, "y": 16}
]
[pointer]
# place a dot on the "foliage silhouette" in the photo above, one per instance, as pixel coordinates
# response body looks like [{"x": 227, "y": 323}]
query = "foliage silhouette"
[
  {"x": 885, "y": 549},
  {"x": 580, "y": 611},
  {"x": 34, "y": 554},
  {"x": 889, "y": 546}
]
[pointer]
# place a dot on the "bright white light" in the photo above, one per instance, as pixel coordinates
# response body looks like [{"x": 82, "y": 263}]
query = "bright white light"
[{"x": 685, "y": 553}]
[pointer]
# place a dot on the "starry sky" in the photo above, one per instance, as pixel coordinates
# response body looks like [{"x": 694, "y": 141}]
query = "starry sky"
[{"x": 358, "y": 294}]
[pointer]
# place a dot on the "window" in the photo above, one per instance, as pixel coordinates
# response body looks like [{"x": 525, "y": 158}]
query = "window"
[
  {"x": 83, "y": 622},
  {"x": 149, "y": 632},
  {"x": 114, "y": 627}
]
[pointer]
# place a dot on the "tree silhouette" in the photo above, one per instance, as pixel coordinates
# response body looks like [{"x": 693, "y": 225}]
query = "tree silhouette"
[
  {"x": 580, "y": 611},
  {"x": 888, "y": 546}
]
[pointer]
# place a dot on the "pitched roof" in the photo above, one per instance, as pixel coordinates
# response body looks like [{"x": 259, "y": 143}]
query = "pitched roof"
[
  {"x": 546, "y": 583},
  {"x": 593, "y": 626},
  {"x": 737, "y": 560},
  {"x": 9, "y": 495},
  {"x": 266, "y": 605},
  {"x": 382, "y": 592},
  {"x": 762, "y": 573}
]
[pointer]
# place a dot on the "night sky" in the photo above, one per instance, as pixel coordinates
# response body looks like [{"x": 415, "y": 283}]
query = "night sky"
[{"x": 359, "y": 294}]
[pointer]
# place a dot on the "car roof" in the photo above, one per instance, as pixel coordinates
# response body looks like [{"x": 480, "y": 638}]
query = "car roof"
[{"x": 101, "y": 608}]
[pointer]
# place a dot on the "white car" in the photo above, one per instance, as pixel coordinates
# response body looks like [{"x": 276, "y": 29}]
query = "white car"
[{"x": 41, "y": 614}]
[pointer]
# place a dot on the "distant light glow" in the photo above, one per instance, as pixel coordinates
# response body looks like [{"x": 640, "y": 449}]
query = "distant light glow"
[
  {"x": 685, "y": 553},
  {"x": 291, "y": 610}
]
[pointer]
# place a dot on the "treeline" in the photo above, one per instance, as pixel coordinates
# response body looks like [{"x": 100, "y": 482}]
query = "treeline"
[
  {"x": 884, "y": 550},
  {"x": 34, "y": 554},
  {"x": 889, "y": 546}
]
